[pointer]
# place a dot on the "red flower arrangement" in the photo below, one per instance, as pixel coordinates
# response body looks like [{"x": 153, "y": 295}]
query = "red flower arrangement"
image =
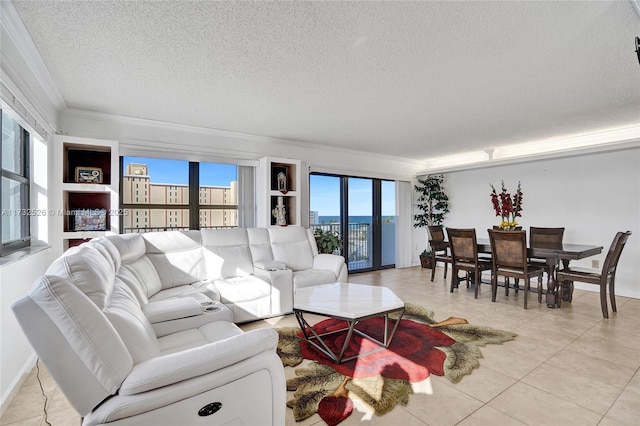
[{"x": 506, "y": 206}]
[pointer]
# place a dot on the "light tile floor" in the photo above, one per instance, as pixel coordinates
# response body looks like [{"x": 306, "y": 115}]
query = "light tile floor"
[{"x": 568, "y": 366}]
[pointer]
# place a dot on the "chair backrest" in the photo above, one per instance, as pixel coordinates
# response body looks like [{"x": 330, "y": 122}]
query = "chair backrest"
[
  {"x": 546, "y": 237},
  {"x": 508, "y": 248},
  {"x": 436, "y": 233},
  {"x": 611, "y": 261},
  {"x": 463, "y": 245}
]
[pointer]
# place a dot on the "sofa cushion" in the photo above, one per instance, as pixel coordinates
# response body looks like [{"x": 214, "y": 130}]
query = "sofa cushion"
[
  {"x": 260, "y": 245},
  {"x": 177, "y": 256},
  {"x": 208, "y": 333},
  {"x": 135, "y": 330},
  {"x": 311, "y": 277},
  {"x": 89, "y": 269},
  {"x": 227, "y": 253},
  {"x": 291, "y": 245},
  {"x": 248, "y": 297},
  {"x": 141, "y": 276},
  {"x": 136, "y": 269},
  {"x": 202, "y": 294}
]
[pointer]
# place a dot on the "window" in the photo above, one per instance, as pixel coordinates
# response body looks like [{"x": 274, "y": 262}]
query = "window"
[
  {"x": 15, "y": 232},
  {"x": 200, "y": 195},
  {"x": 362, "y": 211}
]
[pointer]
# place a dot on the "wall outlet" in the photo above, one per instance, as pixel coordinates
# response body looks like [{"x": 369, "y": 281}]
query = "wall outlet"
[{"x": 595, "y": 264}]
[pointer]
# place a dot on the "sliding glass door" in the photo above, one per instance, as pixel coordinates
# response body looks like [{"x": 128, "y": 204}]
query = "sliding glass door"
[
  {"x": 360, "y": 224},
  {"x": 362, "y": 212}
]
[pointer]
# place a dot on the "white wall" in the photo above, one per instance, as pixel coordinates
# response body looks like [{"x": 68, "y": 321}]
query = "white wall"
[
  {"x": 593, "y": 196},
  {"x": 16, "y": 355}
]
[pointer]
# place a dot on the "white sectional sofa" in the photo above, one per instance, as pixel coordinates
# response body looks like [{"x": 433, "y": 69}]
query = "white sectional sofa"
[
  {"x": 140, "y": 329},
  {"x": 253, "y": 271}
]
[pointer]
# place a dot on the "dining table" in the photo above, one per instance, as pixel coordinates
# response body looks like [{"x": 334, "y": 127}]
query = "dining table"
[{"x": 553, "y": 253}]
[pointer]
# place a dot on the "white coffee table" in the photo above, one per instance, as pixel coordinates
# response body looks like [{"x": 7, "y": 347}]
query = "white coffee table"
[{"x": 351, "y": 303}]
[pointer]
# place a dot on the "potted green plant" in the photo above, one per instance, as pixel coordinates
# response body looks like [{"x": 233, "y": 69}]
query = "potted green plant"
[
  {"x": 328, "y": 241},
  {"x": 433, "y": 205}
]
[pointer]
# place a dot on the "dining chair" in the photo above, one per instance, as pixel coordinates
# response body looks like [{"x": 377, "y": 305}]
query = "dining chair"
[
  {"x": 606, "y": 276},
  {"x": 439, "y": 249},
  {"x": 464, "y": 257},
  {"x": 545, "y": 238},
  {"x": 509, "y": 253}
]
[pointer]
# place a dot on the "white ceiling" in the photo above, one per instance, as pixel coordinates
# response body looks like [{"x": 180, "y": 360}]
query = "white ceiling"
[{"x": 409, "y": 79}]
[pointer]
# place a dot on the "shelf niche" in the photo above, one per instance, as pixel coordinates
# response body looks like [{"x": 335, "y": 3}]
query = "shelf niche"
[
  {"x": 290, "y": 173},
  {"x": 290, "y": 207},
  {"x": 86, "y": 201},
  {"x": 86, "y": 156}
]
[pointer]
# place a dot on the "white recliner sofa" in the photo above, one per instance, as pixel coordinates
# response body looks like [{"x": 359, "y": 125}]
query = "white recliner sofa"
[
  {"x": 253, "y": 271},
  {"x": 140, "y": 329},
  {"x": 92, "y": 334}
]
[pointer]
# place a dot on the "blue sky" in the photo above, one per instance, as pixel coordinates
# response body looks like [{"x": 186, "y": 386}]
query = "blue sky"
[
  {"x": 177, "y": 171},
  {"x": 325, "y": 196}
]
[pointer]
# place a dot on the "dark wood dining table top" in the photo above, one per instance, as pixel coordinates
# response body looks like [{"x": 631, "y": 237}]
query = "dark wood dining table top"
[{"x": 562, "y": 251}]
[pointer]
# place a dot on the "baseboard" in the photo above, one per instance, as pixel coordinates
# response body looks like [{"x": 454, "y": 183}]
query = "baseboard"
[{"x": 14, "y": 388}]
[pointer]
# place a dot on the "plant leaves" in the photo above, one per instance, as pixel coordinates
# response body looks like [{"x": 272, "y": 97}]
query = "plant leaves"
[
  {"x": 461, "y": 359},
  {"x": 477, "y": 335},
  {"x": 289, "y": 346},
  {"x": 380, "y": 393},
  {"x": 417, "y": 313},
  {"x": 312, "y": 384}
]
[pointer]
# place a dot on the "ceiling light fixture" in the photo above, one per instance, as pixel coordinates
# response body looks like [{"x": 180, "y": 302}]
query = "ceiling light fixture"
[
  {"x": 457, "y": 160},
  {"x": 568, "y": 143},
  {"x": 621, "y": 136}
]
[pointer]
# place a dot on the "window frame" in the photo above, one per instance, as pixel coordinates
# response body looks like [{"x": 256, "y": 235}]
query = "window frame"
[
  {"x": 193, "y": 207},
  {"x": 24, "y": 241}
]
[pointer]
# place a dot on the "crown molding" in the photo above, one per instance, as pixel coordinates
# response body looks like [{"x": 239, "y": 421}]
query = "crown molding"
[
  {"x": 19, "y": 34},
  {"x": 629, "y": 144},
  {"x": 286, "y": 145}
]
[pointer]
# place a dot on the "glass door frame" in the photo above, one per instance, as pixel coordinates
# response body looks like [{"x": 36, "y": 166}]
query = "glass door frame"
[{"x": 376, "y": 219}]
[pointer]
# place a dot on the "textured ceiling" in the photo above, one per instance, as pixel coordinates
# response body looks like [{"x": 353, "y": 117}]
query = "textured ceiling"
[{"x": 410, "y": 79}]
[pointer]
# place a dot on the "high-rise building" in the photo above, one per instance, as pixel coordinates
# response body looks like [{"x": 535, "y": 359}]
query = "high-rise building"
[
  {"x": 314, "y": 218},
  {"x": 137, "y": 188}
]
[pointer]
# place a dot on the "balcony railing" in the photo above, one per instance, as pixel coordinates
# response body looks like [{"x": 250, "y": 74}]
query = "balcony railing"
[
  {"x": 360, "y": 242},
  {"x": 170, "y": 228}
]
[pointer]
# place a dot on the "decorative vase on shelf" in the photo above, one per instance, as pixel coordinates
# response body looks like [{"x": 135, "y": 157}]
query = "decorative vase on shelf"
[{"x": 280, "y": 213}]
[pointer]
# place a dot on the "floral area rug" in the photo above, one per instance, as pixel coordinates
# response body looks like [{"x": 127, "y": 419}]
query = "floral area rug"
[{"x": 377, "y": 382}]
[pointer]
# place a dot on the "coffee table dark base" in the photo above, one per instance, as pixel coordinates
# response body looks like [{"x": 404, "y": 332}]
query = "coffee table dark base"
[{"x": 315, "y": 339}]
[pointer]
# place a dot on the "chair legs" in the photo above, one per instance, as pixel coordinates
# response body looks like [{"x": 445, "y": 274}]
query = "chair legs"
[
  {"x": 612, "y": 293},
  {"x": 433, "y": 268}
]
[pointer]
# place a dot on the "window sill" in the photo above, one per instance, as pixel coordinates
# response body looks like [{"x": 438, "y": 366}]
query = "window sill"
[{"x": 36, "y": 247}]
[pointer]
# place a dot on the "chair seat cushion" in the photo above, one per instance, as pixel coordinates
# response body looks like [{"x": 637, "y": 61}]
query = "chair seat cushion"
[
  {"x": 579, "y": 274},
  {"x": 483, "y": 265},
  {"x": 532, "y": 271}
]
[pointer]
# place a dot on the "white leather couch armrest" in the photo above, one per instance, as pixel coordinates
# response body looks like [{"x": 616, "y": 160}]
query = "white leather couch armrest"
[
  {"x": 332, "y": 262},
  {"x": 175, "y": 367},
  {"x": 171, "y": 309},
  {"x": 270, "y": 265}
]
